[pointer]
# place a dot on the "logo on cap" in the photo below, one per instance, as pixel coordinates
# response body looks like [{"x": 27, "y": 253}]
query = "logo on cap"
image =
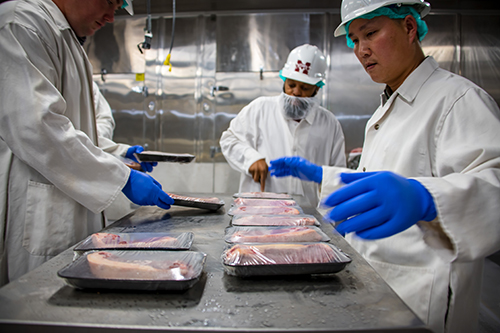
[{"x": 304, "y": 68}]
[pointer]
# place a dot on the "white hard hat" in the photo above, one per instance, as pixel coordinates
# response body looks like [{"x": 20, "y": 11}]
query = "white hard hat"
[
  {"x": 352, "y": 9},
  {"x": 127, "y": 5},
  {"x": 306, "y": 64}
]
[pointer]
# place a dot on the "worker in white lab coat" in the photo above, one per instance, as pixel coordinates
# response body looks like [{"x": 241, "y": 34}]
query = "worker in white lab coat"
[
  {"x": 423, "y": 208},
  {"x": 292, "y": 123},
  {"x": 55, "y": 180}
]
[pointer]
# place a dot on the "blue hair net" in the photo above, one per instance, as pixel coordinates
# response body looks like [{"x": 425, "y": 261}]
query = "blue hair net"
[
  {"x": 319, "y": 84},
  {"x": 393, "y": 12}
]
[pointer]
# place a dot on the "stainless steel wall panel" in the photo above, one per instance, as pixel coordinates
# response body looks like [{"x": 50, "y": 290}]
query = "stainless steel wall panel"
[
  {"x": 124, "y": 95},
  {"x": 114, "y": 47},
  {"x": 481, "y": 51},
  {"x": 443, "y": 40},
  {"x": 225, "y": 56},
  {"x": 263, "y": 41}
]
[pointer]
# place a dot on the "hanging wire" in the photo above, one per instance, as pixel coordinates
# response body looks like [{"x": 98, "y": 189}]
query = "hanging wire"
[{"x": 167, "y": 60}]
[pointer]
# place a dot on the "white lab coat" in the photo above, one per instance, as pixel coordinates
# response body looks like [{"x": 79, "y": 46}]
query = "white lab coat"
[
  {"x": 54, "y": 181},
  {"x": 260, "y": 131},
  {"x": 106, "y": 125},
  {"x": 443, "y": 131}
]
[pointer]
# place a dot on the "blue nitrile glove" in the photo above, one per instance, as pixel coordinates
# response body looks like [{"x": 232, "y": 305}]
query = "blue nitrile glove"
[
  {"x": 146, "y": 166},
  {"x": 379, "y": 204},
  {"x": 144, "y": 190},
  {"x": 296, "y": 166}
]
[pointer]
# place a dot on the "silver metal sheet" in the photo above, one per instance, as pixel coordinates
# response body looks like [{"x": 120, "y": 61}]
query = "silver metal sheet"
[
  {"x": 230, "y": 53},
  {"x": 354, "y": 300}
]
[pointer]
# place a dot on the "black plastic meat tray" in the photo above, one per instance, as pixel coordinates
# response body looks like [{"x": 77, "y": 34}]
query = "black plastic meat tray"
[{"x": 158, "y": 156}]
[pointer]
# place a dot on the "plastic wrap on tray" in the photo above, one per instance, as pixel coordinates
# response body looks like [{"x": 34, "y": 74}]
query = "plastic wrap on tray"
[
  {"x": 211, "y": 203},
  {"x": 264, "y": 202},
  {"x": 262, "y": 195},
  {"x": 275, "y": 234},
  {"x": 142, "y": 270},
  {"x": 283, "y": 259},
  {"x": 137, "y": 240},
  {"x": 264, "y": 210},
  {"x": 159, "y": 156},
  {"x": 274, "y": 220}
]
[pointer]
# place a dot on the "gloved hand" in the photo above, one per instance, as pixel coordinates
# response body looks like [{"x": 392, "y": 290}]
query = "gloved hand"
[
  {"x": 146, "y": 166},
  {"x": 298, "y": 167},
  {"x": 144, "y": 190},
  {"x": 379, "y": 204}
]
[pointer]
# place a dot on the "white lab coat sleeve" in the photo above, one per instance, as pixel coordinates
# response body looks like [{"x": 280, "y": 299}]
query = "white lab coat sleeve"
[
  {"x": 105, "y": 125},
  {"x": 467, "y": 196},
  {"x": 338, "y": 156},
  {"x": 238, "y": 143},
  {"x": 45, "y": 138}
]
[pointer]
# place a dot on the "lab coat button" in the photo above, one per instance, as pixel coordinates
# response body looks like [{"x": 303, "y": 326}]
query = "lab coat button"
[
  {"x": 377, "y": 126},
  {"x": 364, "y": 169}
]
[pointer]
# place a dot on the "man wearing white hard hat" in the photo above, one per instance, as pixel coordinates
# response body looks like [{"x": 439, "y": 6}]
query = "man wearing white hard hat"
[
  {"x": 55, "y": 180},
  {"x": 423, "y": 208},
  {"x": 291, "y": 124}
]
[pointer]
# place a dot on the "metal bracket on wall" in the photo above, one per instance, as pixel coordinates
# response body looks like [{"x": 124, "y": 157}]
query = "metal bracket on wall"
[
  {"x": 216, "y": 89},
  {"x": 214, "y": 150}
]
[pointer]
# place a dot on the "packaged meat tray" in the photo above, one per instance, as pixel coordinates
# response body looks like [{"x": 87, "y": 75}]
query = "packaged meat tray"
[
  {"x": 212, "y": 203},
  {"x": 274, "y": 220},
  {"x": 262, "y": 195},
  {"x": 264, "y": 202},
  {"x": 138, "y": 270},
  {"x": 274, "y": 234},
  {"x": 264, "y": 210},
  {"x": 136, "y": 240},
  {"x": 158, "y": 156},
  {"x": 283, "y": 259}
]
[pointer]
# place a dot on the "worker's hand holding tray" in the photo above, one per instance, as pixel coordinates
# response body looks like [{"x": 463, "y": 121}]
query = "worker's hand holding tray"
[
  {"x": 138, "y": 270},
  {"x": 262, "y": 195},
  {"x": 283, "y": 259},
  {"x": 274, "y": 220},
  {"x": 274, "y": 234},
  {"x": 136, "y": 240},
  {"x": 211, "y": 203},
  {"x": 158, "y": 156}
]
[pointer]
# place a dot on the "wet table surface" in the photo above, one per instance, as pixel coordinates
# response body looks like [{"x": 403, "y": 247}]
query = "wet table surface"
[{"x": 353, "y": 300}]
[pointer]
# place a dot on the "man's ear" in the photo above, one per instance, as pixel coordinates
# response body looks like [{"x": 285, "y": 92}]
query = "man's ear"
[{"x": 410, "y": 24}]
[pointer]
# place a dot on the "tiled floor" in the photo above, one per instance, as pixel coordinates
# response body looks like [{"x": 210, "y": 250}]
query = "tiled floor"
[{"x": 489, "y": 314}]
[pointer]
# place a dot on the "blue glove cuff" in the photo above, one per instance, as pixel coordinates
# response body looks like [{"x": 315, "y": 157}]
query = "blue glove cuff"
[
  {"x": 428, "y": 207},
  {"x": 318, "y": 175}
]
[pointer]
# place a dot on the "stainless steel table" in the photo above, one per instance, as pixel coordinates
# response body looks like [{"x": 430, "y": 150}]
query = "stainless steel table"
[{"x": 353, "y": 300}]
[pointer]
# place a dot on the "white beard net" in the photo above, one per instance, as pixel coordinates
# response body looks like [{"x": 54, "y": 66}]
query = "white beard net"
[{"x": 297, "y": 107}]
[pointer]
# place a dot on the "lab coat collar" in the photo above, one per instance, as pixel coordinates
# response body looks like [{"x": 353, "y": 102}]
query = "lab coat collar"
[
  {"x": 411, "y": 86},
  {"x": 54, "y": 11}
]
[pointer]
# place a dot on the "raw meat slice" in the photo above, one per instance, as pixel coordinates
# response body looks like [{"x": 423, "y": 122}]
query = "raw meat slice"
[
  {"x": 269, "y": 195},
  {"x": 102, "y": 240},
  {"x": 264, "y": 210},
  {"x": 274, "y": 220},
  {"x": 105, "y": 265},
  {"x": 273, "y": 254},
  {"x": 275, "y": 235},
  {"x": 212, "y": 200},
  {"x": 264, "y": 202}
]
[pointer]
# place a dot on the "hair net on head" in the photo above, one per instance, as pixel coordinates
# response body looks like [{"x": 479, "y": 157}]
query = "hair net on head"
[
  {"x": 392, "y": 12},
  {"x": 319, "y": 84}
]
